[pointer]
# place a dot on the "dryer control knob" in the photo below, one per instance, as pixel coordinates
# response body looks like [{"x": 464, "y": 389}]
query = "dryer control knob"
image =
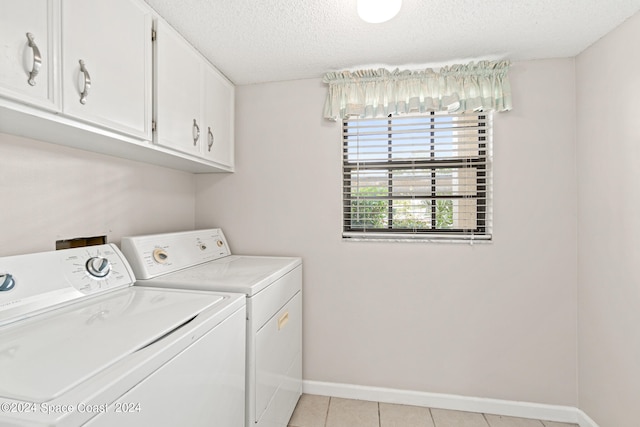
[
  {"x": 160, "y": 256},
  {"x": 98, "y": 267}
]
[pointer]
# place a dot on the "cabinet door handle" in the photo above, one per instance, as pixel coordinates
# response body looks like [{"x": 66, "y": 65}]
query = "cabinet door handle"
[
  {"x": 210, "y": 134},
  {"x": 87, "y": 83},
  {"x": 195, "y": 132},
  {"x": 37, "y": 60}
]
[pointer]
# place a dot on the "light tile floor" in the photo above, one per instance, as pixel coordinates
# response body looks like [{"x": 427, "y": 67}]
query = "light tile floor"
[{"x": 324, "y": 411}]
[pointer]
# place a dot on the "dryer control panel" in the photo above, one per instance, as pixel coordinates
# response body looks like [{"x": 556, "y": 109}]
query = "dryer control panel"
[{"x": 157, "y": 254}]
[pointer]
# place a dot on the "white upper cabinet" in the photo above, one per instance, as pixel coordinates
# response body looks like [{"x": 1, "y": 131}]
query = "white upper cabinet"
[
  {"x": 28, "y": 52},
  {"x": 194, "y": 102},
  {"x": 178, "y": 76},
  {"x": 218, "y": 116},
  {"x": 106, "y": 64},
  {"x": 86, "y": 74}
]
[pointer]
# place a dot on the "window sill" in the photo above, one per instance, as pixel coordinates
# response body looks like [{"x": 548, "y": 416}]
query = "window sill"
[{"x": 353, "y": 237}]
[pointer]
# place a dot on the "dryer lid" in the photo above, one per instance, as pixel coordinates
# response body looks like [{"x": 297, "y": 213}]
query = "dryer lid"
[{"x": 43, "y": 357}]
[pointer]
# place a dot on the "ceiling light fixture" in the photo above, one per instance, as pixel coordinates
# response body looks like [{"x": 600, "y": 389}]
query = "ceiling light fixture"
[{"x": 377, "y": 11}]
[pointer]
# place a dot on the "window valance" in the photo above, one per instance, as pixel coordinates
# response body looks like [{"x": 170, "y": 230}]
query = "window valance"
[{"x": 456, "y": 88}]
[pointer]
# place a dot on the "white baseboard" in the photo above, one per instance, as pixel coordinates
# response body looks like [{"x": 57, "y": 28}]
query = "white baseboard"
[
  {"x": 565, "y": 414},
  {"x": 584, "y": 420}
]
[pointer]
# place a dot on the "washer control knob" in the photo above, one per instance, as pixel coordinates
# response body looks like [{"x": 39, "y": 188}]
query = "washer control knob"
[
  {"x": 6, "y": 282},
  {"x": 98, "y": 267},
  {"x": 160, "y": 256}
]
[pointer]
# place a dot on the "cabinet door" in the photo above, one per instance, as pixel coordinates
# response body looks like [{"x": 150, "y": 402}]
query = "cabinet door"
[
  {"x": 178, "y": 87},
  {"x": 219, "y": 98},
  {"x": 21, "y": 21},
  {"x": 112, "y": 88}
]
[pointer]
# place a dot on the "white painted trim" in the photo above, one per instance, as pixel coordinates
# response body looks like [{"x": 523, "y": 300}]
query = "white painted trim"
[
  {"x": 584, "y": 420},
  {"x": 565, "y": 414}
]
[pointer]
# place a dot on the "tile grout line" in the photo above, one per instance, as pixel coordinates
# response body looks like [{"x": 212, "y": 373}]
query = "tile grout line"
[
  {"x": 326, "y": 415},
  {"x": 433, "y": 420},
  {"x": 485, "y": 419},
  {"x": 379, "y": 417}
]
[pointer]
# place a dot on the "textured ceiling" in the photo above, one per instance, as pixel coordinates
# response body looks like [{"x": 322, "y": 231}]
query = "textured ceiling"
[{"x": 253, "y": 41}]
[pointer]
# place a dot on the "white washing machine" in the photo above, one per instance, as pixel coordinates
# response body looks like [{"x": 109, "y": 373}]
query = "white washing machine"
[
  {"x": 202, "y": 260},
  {"x": 81, "y": 346}
]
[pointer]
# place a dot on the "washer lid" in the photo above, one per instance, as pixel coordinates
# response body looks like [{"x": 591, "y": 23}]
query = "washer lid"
[
  {"x": 43, "y": 357},
  {"x": 235, "y": 273}
]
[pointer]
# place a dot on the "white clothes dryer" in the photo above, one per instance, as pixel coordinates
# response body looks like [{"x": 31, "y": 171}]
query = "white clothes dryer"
[
  {"x": 81, "y": 346},
  {"x": 202, "y": 260}
]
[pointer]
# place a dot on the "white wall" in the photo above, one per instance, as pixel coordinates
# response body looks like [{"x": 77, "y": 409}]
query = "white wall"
[
  {"x": 49, "y": 192},
  {"x": 495, "y": 320},
  {"x": 608, "y": 124}
]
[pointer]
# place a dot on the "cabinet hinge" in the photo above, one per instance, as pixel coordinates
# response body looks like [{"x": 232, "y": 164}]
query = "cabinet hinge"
[
  {"x": 153, "y": 35},
  {"x": 153, "y": 125}
]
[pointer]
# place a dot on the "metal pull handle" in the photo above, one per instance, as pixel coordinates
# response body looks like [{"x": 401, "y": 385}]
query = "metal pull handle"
[
  {"x": 195, "y": 132},
  {"x": 37, "y": 60},
  {"x": 210, "y": 134},
  {"x": 87, "y": 83}
]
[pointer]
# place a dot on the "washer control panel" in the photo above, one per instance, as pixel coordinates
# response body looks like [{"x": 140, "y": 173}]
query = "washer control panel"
[
  {"x": 97, "y": 268},
  {"x": 154, "y": 255},
  {"x": 33, "y": 283}
]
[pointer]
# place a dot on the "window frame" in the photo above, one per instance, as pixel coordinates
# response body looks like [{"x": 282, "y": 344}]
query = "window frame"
[{"x": 481, "y": 163}]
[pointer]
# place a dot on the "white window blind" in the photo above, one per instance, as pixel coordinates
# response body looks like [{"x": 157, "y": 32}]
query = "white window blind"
[{"x": 418, "y": 177}]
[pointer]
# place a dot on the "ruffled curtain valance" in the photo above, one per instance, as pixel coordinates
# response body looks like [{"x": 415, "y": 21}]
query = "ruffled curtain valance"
[{"x": 456, "y": 88}]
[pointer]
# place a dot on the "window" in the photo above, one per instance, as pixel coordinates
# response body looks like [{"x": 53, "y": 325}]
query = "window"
[{"x": 417, "y": 177}]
